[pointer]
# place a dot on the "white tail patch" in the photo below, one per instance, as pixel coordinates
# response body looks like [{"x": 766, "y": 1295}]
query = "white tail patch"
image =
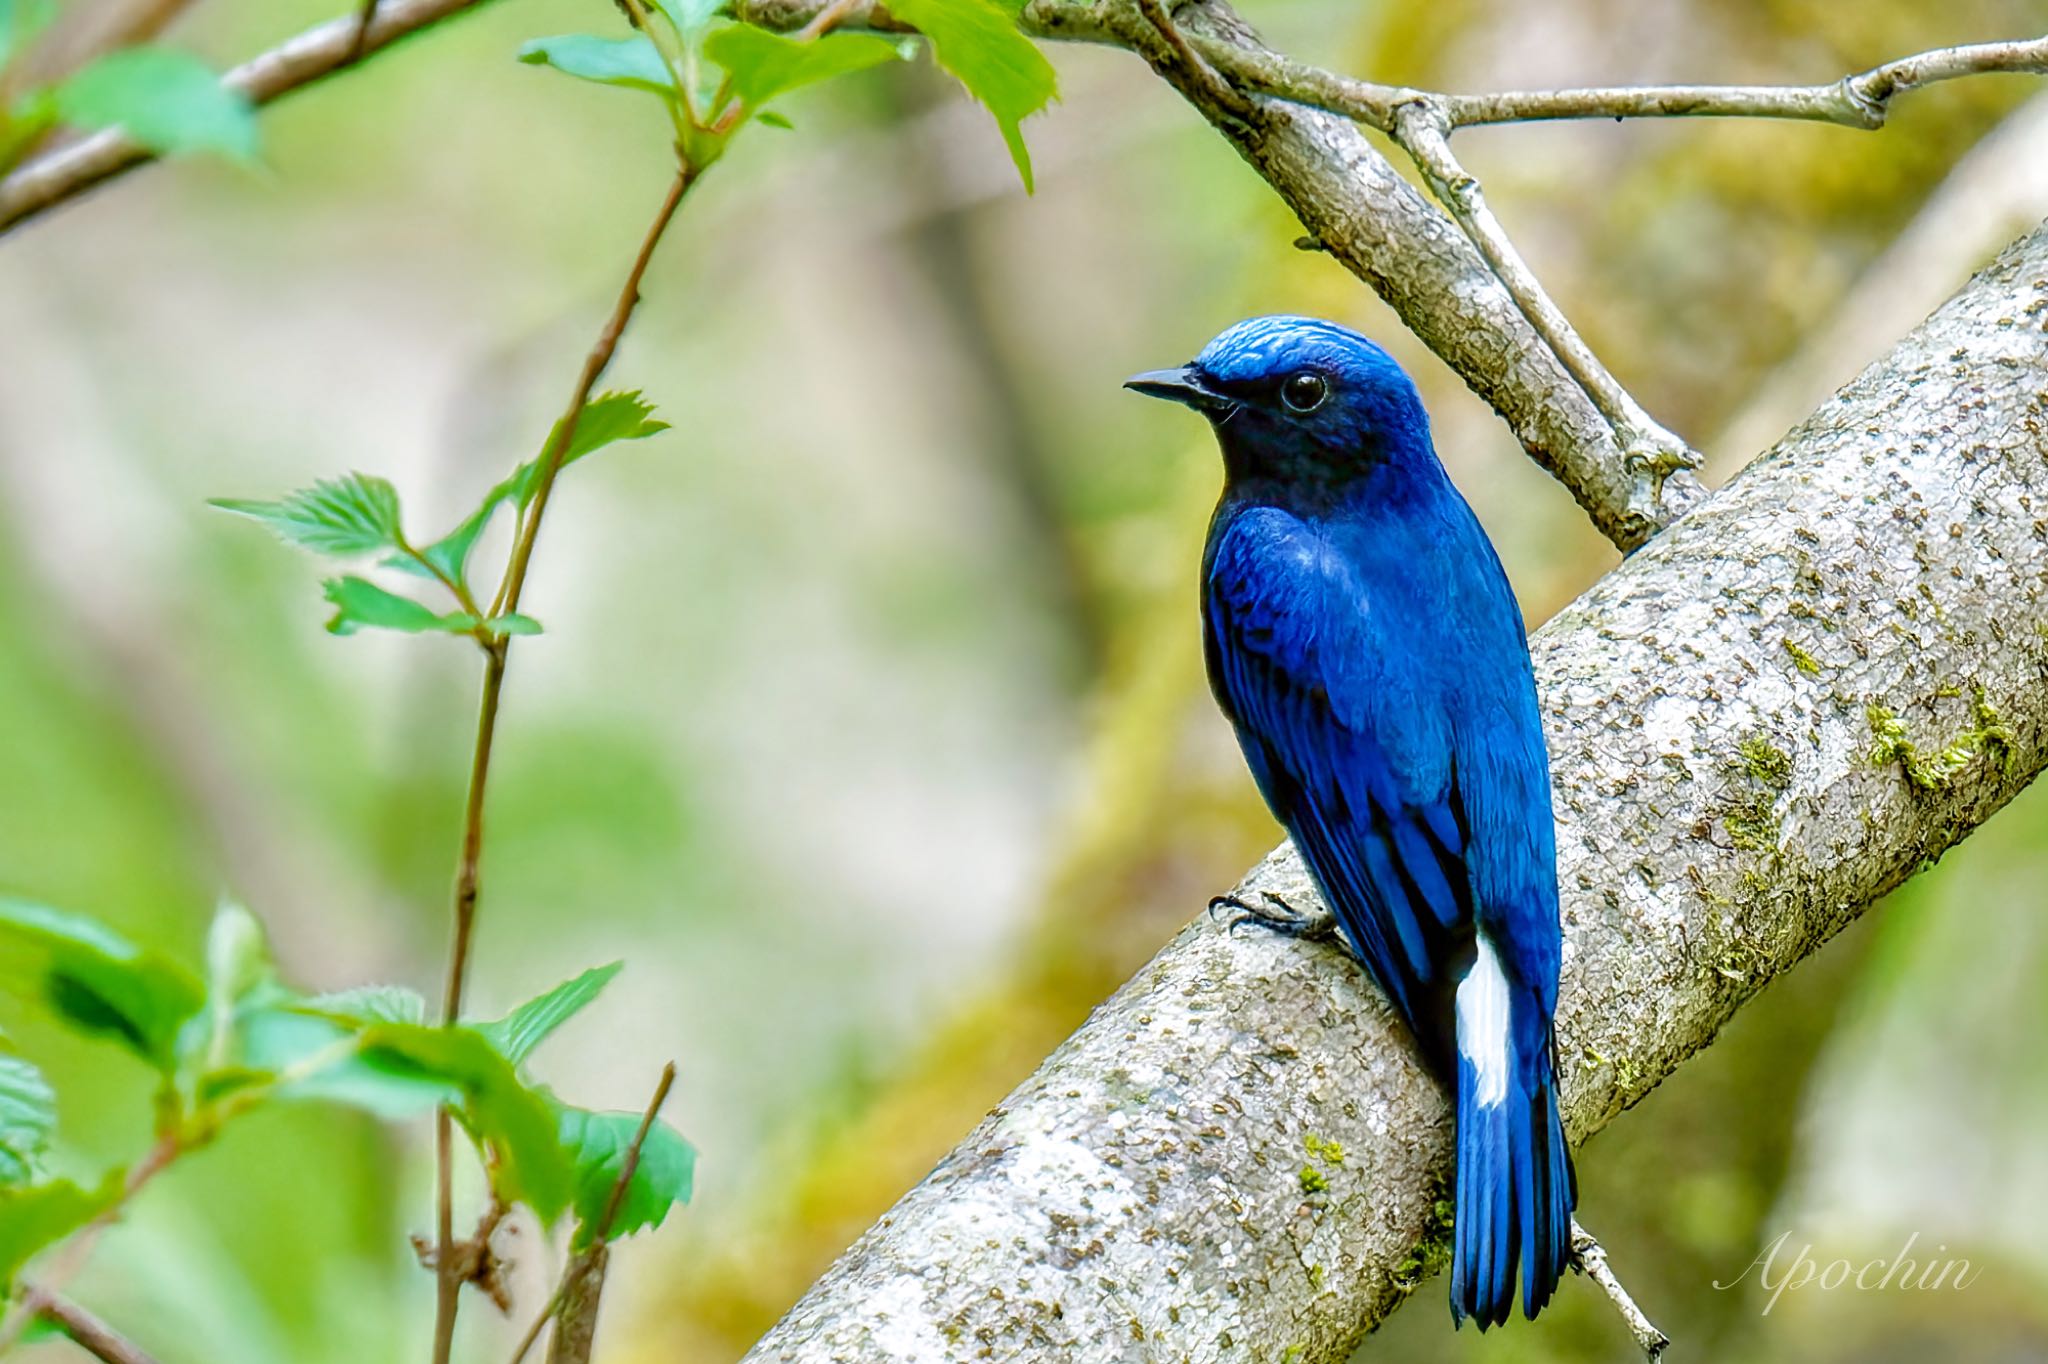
[{"x": 1483, "y": 1024}]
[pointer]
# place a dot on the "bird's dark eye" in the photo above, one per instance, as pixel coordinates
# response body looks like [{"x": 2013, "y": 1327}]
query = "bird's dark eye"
[{"x": 1304, "y": 392}]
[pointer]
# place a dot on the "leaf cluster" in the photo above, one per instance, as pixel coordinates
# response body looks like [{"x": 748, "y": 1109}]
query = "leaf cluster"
[
  {"x": 716, "y": 75},
  {"x": 226, "y": 1039},
  {"x": 358, "y": 515}
]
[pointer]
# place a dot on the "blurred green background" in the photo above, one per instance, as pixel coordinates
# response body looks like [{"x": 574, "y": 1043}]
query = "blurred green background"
[{"x": 869, "y": 725}]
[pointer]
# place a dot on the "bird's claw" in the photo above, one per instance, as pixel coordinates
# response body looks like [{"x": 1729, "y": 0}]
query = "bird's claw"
[{"x": 1275, "y": 915}]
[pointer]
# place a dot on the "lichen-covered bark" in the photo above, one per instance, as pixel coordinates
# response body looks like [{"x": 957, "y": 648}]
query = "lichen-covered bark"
[{"x": 1776, "y": 711}]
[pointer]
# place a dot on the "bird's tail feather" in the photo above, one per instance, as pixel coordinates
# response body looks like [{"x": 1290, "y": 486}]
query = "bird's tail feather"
[{"x": 1515, "y": 1186}]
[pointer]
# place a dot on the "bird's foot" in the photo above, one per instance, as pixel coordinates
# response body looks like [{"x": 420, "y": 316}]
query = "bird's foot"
[{"x": 1270, "y": 912}]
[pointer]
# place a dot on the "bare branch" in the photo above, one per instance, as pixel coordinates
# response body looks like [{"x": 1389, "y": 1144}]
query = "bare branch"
[
  {"x": 1422, "y": 128},
  {"x": 86, "y": 1330},
  {"x": 1589, "y": 1257},
  {"x": 70, "y": 170},
  {"x": 1859, "y": 101},
  {"x": 1724, "y": 807}
]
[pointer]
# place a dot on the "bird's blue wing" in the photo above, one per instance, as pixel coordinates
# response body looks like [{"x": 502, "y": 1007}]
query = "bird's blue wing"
[{"x": 1352, "y": 752}]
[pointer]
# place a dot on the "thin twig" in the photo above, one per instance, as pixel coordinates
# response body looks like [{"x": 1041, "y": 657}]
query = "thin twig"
[
  {"x": 70, "y": 170},
  {"x": 1589, "y": 1257},
  {"x": 1858, "y": 101},
  {"x": 1861, "y": 100},
  {"x": 593, "y": 366},
  {"x": 1653, "y": 452},
  {"x": 497, "y": 650},
  {"x": 591, "y": 1260},
  {"x": 89, "y": 1332}
]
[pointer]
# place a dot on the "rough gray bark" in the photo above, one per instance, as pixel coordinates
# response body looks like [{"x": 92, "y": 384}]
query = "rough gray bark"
[{"x": 1775, "y": 712}]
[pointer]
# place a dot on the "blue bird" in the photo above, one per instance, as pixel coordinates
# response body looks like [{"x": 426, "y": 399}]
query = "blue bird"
[{"x": 1362, "y": 637}]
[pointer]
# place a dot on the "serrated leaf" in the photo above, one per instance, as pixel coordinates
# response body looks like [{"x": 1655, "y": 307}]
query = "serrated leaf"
[
  {"x": 34, "y": 1216},
  {"x": 28, "y": 1117},
  {"x": 497, "y": 1106},
  {"x": 355, "y": 514},
  {"x": 360, "y": 604},
  {"x": 314, "y": 1055},
  {"x": 604, "y": 420},
  {"x": 628, "y": 63},
  {"x": 526, "y": 1027},
  {"x": 980, "y": 45},
  {"x": 597, "y": 1145},
  {"x": 369, "y": 1004},
  {"x": 764, "y": 65},
  {"x": 97, "y": 981},
  {"x": 168, "y": 101}
]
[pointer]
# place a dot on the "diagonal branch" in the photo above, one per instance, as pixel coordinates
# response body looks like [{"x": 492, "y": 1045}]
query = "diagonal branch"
[
  {"x": 1422, "y": 127},
  {"x": 1733, "y": 785},
  {"x": 319, "y": 52}
]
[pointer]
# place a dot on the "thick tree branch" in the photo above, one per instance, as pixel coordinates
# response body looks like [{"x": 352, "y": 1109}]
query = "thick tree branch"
[
  {"x": 1773, "y": 714},
  {"x": 70, "y": 170}
]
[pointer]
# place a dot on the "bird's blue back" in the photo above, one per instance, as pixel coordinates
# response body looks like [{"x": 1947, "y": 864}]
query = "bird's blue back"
[{"x": 1363, "y": 639}]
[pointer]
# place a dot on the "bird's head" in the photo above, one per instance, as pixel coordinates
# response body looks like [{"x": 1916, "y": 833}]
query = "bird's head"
[{"x": 1299, "y": 399}]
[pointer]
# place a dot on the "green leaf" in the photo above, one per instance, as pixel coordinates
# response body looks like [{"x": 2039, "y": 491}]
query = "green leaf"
[
  {"x": 629, "y": 63},
  {"x": 96, "y": 980},
  {"x": 316, "y": 1055},
  {"x": 360, "y": 604},
  {"x": 238, "y": 966},
  {"x": 450, "y": 553},
  {"x": 764, "y": 65},
  {"x": 369, "y": 1004},
  {"x": 690, "y": 17},
  {"x": 526, "y": 1027},
  {"x": 39, "y": 1215},
  {"x": 979, "y": 43},
  {"x": 237, "y": 955},
  {"x": 357, "y": 514},
  {"x": 607, "y": 418},
  {"x": 28, "y": 1117},
  {"x": 497, "y": 1106},
  {"x": 604, "y": 420},
  {"x": 166, "y": 100},
  {"x": 774, "y": 120},
  {"x": 597, "y": 1145}
]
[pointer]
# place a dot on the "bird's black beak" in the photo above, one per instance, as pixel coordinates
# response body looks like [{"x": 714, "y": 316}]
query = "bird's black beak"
[{"x": 1184, "y": 385}]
